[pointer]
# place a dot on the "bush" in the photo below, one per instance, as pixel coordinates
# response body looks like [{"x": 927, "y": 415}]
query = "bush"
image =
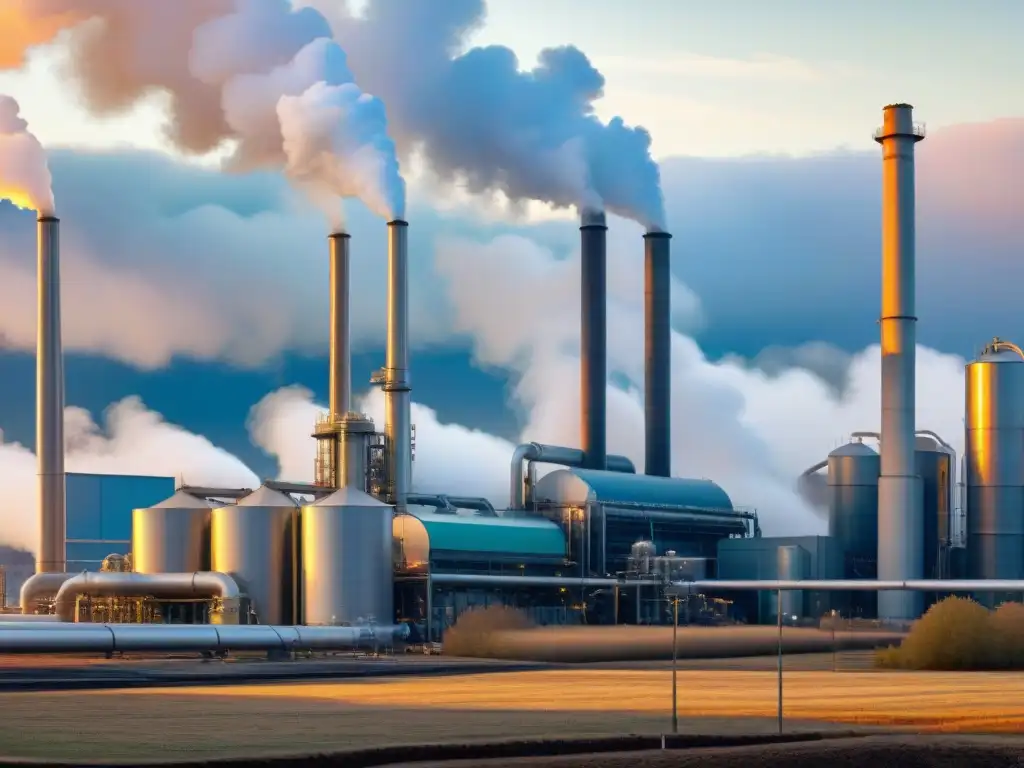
[
  {"x": 476, "y": 631},
  {"x": 959, "y": 634}
]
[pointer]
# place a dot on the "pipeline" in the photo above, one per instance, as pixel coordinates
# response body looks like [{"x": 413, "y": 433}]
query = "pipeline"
[
  {"x": 521, "y": 486},
  {"x": 41, "y": 586},
  {"x": 197, "y": 638},
  {"x": 201, "y": 584}
]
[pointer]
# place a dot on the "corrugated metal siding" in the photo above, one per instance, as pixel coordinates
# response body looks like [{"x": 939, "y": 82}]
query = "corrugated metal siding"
[
  {"x": 610, "y": 487},
  {"x": 491, "y": 535},
  {"x": 99, "y": 513}
]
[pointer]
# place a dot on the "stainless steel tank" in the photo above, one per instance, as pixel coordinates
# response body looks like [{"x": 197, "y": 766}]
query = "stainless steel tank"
[
  {"x": 935, "y": 467},
  {"x": 641, "y": 554},
  {"x": 995, "y": 463},
  {"x": 172, "y": 536},
  {"x": 347, "y": 569},
  {"x": 256, "y": 542},
  {"x": 853, "y": 471},
  {"x": 793, "y": 564}
]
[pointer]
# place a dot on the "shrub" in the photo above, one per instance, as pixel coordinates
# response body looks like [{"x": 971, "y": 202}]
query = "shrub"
[
  {"x": 959, "y": 634},
  {"x": 1007, "y": 627},
  {"x": 476, "y": 631}
]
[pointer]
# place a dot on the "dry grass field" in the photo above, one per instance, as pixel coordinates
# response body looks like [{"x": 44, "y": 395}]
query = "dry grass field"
[{"x": 132, "y": 725}]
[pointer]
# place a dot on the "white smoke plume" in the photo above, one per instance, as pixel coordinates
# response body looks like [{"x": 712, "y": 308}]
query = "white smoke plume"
[
  {"x": 132, "y": 440},
  {"x": 24, "y": 173},
  {"x": 474, "y": 117},
  {"x": 478, "y": 119},
  {"x": 226, "y": 65}
]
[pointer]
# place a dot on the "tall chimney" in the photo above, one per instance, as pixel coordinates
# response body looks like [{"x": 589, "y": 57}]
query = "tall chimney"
[
  {"x": 341, "y": 352},
  {"x": 900, "y": 500},
  {"x": 50, "y": 401},
  {"x": 657, "y": 354},
  {"x": 593, "y": 339},
  {"x": 397, "y": 409}
]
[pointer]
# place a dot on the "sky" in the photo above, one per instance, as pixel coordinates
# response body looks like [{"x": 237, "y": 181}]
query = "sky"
[{"x": 194, "y": 301}]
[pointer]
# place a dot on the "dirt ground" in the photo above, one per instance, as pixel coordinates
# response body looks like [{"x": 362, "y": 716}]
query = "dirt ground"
[
  {"x": 904, "y": 752},
  {"x": 302, "y": 718}
]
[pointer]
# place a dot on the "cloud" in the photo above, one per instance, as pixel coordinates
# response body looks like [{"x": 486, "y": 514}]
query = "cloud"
[
  {"x": 751, "y": 431},
  {"x": 161, "y": 260},
  {"x": 132, "y": 440}
]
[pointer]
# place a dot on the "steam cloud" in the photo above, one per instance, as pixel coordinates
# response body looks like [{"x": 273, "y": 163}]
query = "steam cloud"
[
  {"x": 24, "y": 173},
  {"x": 132, "y": 440},
  {"x": 475, "y": 118},
  {"x": 253, "y": 71}
]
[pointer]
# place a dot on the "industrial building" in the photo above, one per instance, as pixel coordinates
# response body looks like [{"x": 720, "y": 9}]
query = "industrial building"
[{"x": 592, "y": 540}]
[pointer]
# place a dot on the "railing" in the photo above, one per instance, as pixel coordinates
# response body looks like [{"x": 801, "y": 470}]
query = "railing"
[{"x": 917, "y": 130}]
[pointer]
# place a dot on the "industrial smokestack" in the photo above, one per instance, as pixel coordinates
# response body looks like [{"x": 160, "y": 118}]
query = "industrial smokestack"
[
  {"x": 397, "y": 409},
  {"x": 50, "y": 401},
  {"x": 657, "y": 354},
  {"x": 341, "y": 353},
  {"x": 900, "y": 500},
  {"x": 593, "y": 339}
]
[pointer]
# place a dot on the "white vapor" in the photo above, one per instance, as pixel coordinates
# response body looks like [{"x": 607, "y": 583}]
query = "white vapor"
[
  {"x": 132, "y": 440},
  {"x": 24, "y": 171}
]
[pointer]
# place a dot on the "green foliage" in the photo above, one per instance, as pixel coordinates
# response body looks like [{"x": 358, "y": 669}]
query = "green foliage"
[{"x": 959, "y": 634}]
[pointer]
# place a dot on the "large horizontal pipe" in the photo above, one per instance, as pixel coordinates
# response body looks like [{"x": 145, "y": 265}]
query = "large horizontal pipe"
[
  {"x": 208, "y": 492},
  {"x": 41, "y": 586},
  {"x": 304, "y": 489},
  {"x": 693, "y": 587},
  {"x": 530, "y": 453},
  {"x": 197, "y": 638},
  {"x": 201, "y": 584}
]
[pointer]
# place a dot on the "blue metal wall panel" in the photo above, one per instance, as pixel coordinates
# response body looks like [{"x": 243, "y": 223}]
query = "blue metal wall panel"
[
  {"x": 99, "y": 514},
  {"x": 84, "y": 495}
]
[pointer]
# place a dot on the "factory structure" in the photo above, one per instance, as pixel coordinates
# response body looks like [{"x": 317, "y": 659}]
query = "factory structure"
[{"x": 592, "y": 540}]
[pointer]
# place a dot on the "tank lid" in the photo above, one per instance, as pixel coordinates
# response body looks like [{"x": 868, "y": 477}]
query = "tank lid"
[
  {"x": 184, "y": 500},
  {"x": 349, "y": 497},
  {"x": 1001, "y": 351},
  {"x": 267, "y": 497},
  {"x": 854, "y": 449}
]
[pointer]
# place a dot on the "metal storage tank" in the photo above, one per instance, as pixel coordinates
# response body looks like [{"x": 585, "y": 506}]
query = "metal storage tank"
[
  {"x": 995, "y": 463},
  {"x": 172, "y": 536},
  {"x": 256, "y": 542},
  {"x": 935, "y": 466},
  {"x": 347, "y": 571},
  {"x": 793, "y": 563},
  {"x": 853, "y": 471}
]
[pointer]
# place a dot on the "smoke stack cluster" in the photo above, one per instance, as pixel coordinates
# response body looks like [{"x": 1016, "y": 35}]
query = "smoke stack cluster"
[
  {"x": 593, "y": 339},
  {"x": 900, "y": 492},
  {"x": 50, "y": 401}
]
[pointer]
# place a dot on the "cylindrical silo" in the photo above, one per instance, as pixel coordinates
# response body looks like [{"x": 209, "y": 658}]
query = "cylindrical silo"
[
  {"x": 793, "y": 564},
  {"x": 995, "y": 463},
  {"x": 172, "y": 536},
  {"x": 853, "y": 471},
  {"x": 935, "y": 467},
  {"x": 347, "y": 560},
  {"x": 256, "y": 542}
]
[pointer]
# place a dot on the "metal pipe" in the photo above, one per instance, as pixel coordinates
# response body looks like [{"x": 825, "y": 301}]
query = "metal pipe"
[
  {"x": 41, "y": 586},
  {"x": 50, "y": 399},
  {"x": 198, "y": 638},
  {"x": 734, "y": 585},
  {"x": 520, "y": 488},
  {"x": 900, "y": 504},
  {"x": 593, "y": 338},
  {"x": 340, "y": 397},
  {"x": 657, "y": 354},
  {"x": 814, "y": 468},
  {"x": 201, "y": 584},
  {"x": 397, "y": 408}
]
